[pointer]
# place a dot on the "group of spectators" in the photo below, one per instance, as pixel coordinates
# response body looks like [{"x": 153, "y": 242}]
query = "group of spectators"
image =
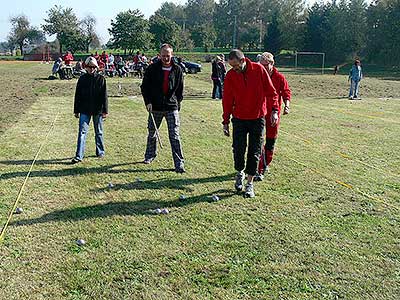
[
  {"x": 111, "y": 65},
  {"x": 108, "y": 65},
  {"x": 63, "y": 66}
]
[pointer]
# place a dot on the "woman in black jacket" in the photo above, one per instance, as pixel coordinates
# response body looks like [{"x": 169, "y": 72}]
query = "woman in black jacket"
[{"x": 90, "y": 102}]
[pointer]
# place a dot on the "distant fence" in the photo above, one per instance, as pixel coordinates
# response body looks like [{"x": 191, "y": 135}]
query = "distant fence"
[
  {"x": 39, "y": 56},
  {"x": 197, "y": 57}
]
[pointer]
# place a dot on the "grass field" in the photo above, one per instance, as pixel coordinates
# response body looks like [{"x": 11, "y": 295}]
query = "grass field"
[{"x": 324, "y": 224}]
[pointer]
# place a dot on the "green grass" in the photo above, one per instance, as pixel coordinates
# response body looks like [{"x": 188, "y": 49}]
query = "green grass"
[{"x": 324, "y": 224}]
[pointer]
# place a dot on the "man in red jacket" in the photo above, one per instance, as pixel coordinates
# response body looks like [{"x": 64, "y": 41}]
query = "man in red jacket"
[
  {"x": 282, "y": 88},
  {"x": 249, "y": 96}
]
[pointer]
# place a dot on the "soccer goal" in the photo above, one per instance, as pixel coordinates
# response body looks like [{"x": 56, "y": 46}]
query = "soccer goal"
[{"x": 311, "y": 61}]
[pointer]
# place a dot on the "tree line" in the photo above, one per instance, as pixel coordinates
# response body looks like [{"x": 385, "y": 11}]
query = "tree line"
[{"x": 343, "y": 29}]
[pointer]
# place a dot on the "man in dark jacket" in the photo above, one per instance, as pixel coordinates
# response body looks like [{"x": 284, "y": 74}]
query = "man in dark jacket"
[
  {"x": 90, "y": 101},
  {"x": 162, "y": 90}
]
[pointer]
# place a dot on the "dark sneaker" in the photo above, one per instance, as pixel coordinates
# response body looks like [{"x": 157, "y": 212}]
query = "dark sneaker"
[
  {"x": 75, "y": 161},
  {"x": 180, "y": 170},
  {"x": 249, "y": 191},
  {"x": 239, "y": 179},
  {"x": 148, "y": 160}
]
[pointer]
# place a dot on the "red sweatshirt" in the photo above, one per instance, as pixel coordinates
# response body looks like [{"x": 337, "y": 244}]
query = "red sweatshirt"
[
  {"x": 246, "y": 94},
  {"x": 68, "y": 58},
  {"x": 281, "y": 86}
]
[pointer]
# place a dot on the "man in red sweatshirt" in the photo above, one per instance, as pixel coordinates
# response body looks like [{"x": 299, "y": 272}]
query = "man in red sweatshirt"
[
  {"x": 249, "y": 96},
  {"x": 282, "y": 88}
]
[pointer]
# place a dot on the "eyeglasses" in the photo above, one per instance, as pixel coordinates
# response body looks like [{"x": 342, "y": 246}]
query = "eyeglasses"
[{"x": 91, "y": 67}]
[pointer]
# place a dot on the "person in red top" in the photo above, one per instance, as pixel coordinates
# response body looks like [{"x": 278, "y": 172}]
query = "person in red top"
[
  {"x": 249, "y": 96},
  {"x": 68, "y": 58},
  {"x": 282, "y": 88},
  {"x": 104, "y": 57}
]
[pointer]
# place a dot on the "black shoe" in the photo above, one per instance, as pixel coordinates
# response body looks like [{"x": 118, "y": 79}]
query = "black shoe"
[
  {"x": 148, "y": 161},
  {"x": 75, "y": 161},
  {"x": 180, "y": 170}
]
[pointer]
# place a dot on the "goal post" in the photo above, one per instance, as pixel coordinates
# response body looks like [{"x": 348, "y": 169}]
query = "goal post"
[{"x": 309, "y": 53}]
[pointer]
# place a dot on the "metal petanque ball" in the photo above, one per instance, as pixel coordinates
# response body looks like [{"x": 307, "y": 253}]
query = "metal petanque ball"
[
  {"x": 157, "y": 211},
  {"x": 165, "y": 211},
  {"x": 215, "y": 197},
  {"x": 80, "y": 242},
  {"x": 182, "y": 197},
  {"x": 19, "y": 210},
  {"x": 110, "y": 185}
]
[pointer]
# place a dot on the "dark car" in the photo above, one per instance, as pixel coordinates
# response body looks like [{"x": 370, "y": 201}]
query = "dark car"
[
  {"x": 189, "y": 66},
  {"x": 192, "y": 67}
]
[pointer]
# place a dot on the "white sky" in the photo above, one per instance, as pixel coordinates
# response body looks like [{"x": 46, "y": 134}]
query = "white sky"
[{"x": 104, "y": 11}]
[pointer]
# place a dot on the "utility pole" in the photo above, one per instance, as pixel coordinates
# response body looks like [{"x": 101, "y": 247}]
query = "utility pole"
[
  {"x": 234, "y": 33},
  {"x": 260, "y": 41}
]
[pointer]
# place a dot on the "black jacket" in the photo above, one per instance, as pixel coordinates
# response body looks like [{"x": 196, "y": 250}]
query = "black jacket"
[
  {"x": 91, "y": 95},
  {"x": 152, "y": 88}
]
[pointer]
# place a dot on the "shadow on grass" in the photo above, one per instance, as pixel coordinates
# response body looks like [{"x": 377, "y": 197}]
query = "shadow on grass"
[
  {"x": 79, "y": 169},
  {"x": 142, "y": 207},
  {"x": 159, "y": 184},
  {"x": 58, "y": 161}
]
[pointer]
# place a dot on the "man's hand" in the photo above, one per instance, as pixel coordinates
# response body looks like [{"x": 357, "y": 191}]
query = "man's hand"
[
  {"x": 274, "y": 118},
  {"x": 104, "y": 115},
  {"x": 76, "y": 115},
  {"x": 286, "y": 110},
  {"x": 226, "y": 129},
  {"x": 149, "y": 107}
]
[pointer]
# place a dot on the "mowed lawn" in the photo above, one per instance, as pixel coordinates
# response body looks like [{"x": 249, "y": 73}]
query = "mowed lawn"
[{"x": 324, "y": 223}]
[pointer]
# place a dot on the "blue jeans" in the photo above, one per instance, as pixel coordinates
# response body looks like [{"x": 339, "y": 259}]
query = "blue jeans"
[
  {"x": 354, "y": 88},
  {"x": 217, "y": 89},
  {"x": 84, "y": 121}
]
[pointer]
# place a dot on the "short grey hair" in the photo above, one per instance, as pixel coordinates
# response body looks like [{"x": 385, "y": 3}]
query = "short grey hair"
[
  {"x": 236, "y": 54},
  {"x": 166, "y": 46},
  {"x": 267, "y": 56}
]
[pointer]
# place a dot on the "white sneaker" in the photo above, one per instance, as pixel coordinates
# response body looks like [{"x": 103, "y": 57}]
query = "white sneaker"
[
  {"x": 239, "y": 181},
  {"x": 259, "y": 177},
  {"x": 249, "y": 191}
]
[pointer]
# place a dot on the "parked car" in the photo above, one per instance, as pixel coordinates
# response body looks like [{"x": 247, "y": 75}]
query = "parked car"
[
  {"x": 187, "y": 66},
  {"x": 192, "y": 67}
]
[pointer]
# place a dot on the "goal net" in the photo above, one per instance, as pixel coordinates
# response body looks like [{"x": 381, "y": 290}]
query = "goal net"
[{"x": 310, "y": 62}]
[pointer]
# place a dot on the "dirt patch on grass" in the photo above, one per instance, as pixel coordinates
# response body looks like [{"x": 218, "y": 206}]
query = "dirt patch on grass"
[{"x": 24, "y": 82}]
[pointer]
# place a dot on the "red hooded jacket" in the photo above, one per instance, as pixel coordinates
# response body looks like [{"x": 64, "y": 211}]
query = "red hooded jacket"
[{"x": 248, "y": 95}]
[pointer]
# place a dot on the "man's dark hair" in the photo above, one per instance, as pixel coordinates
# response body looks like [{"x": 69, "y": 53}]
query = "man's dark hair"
[{"x": 236, "y": 54}]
